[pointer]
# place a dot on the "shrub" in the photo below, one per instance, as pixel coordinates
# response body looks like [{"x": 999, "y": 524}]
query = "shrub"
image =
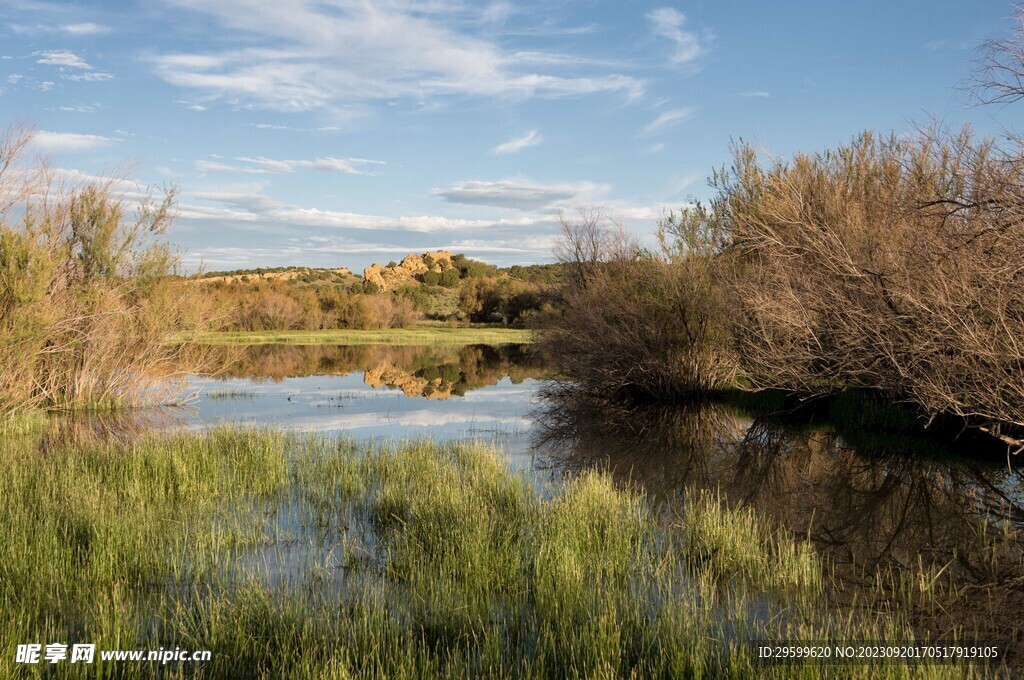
[
  {"x": 888, "y": 263},
  {"x": 449, "y": 278},
  {"x": 641, "y": 325},
  {"x": 473, "y": 269},
  {"x": 86, "y": 309}
]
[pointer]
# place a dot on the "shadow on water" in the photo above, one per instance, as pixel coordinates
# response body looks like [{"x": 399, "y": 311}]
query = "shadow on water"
[{"x": 871, "y": 502}]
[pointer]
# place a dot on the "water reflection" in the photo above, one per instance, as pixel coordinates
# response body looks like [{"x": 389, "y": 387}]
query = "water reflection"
[
  {"x": 887, "y": 502},
  {"x": 434, "y": 372},
  {"x": 372, "y": 392}
]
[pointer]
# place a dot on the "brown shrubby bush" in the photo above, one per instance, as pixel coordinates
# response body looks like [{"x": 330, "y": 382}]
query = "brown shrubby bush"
[
  {"x": 284, "y": 305},
  {"x": 641, "y": 325},
  {"x": 890, "y": 263},
  {"x": 85, "y": 307}
]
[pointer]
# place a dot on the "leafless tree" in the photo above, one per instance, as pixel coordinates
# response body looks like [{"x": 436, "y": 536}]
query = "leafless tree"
[
  {"x": 999, "y": 75},
  {"x": 16, "y": 182}
]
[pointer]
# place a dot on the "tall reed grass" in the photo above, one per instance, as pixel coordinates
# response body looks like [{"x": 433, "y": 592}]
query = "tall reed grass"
[
  {"x": 85, "y": 304},
  {"x": 296, "y": 557}
]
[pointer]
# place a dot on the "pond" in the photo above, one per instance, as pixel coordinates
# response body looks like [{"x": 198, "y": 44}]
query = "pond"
[
  {"x": 865, "y": 499},
  {"x": 377, "y": 392}
]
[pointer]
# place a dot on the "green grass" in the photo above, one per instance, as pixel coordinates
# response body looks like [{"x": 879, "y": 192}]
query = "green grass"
[
  {"x": 419, "y": 335},
  {"x": 304, "y": 557}
]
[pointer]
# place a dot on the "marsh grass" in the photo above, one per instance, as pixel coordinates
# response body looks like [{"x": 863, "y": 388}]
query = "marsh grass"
[
  {"x": 227, "y": 395},
  {"x": 308, "y": 557},
  {"x": 417, "y": 335}
]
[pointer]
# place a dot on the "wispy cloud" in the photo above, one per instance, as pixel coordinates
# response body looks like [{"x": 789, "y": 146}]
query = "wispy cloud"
[
  {"x": 531, "y": 138},
  {"x": 755, "y": 93},
  {"x": 948, "y": 45},
  {"x": 271, "y": 126},
  {"x": 48, "y": 141},
  {"x": 86, "y": 28},
  {"x": 79, "y": 108},
  {"x": 668, "y": 23},
  {"x": 270, "y": 166},
  {"x": 249, "y": 207},
  {"x": 89, "y": 76},
  {"x": 78, "y": 29},
  {"x": 63, "y": 58},
  {"x": 520, "y": 194},
  {"x": 333, "y": 56},
  {"x": 667, "y": 119}
]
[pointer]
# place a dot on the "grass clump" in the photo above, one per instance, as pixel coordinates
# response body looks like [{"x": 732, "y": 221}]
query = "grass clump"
[{"x": 307, "y": 557}]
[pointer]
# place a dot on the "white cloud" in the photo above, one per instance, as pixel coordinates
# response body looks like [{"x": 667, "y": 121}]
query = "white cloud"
[
  {"x": 755, "y": 93},
  {"x": 14, "y": 78},
  {"x": 531, "y": 138},
  {"x": 269, "y": 126},
  {"x": 47, "y": 141},
  {"x": 87, "y": 28},
  {"x": 74, "y": 177},
  {"x": 89, "y": 76},
  {"x": 335, "y": 55},
  {"x": 46, "y": 85},
  {"x": 80, "y": 108},
  {"x": 668, "y": 23},
  {"x": 520, "y": 194},
  {"x": 270, "y": 166},
  {"x": 668, "y": 119},
  {"x": 62, "y": 58},
  {"x": 77, "y": 29},
  {"x": 255, "y": 208}
]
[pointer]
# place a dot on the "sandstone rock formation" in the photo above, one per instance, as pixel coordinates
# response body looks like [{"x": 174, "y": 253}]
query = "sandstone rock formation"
[{"x": 391, "y": 278}]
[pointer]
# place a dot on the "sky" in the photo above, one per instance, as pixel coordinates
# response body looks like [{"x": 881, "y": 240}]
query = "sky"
[{"x": 340, "y": 132}]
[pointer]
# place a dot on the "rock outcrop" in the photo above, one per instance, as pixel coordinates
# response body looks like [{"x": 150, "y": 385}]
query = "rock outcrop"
[{"x": 393, "y": 277}]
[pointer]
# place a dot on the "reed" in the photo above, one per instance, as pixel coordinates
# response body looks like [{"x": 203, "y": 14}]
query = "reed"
[{"x": 302, "y": 557}]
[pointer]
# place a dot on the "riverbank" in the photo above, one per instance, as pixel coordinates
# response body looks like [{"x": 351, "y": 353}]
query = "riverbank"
[
  {"x": 416, "y": 335},
  {"x": 289, "y": 556}
]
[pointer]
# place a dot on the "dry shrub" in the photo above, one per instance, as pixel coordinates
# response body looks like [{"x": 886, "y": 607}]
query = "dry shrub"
[
  {"x": 369, "y": 312},
  {"x": 889, "y": 263},
  {"x": 280, "y": 305},
  {"x": 640, "y": 325},
  {"x": 85, "y": 309}
]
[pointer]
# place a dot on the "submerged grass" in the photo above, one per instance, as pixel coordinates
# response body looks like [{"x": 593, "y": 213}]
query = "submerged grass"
[
  {"x": 417, "y": 335},
  {"x": 314, "y": 558}
]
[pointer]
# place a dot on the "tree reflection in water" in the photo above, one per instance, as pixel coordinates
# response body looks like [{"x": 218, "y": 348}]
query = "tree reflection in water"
[
  {"x": 435, "y": 372},
  {"x": 885, "y": 506}
]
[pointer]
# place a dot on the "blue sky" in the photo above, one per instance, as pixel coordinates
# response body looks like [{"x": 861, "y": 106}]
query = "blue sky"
[{"x": 338, "y": 133}]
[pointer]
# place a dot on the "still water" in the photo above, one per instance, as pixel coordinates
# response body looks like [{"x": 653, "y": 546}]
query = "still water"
[
  {"x": 866, "y": 499},
  {"x": 377, "y": 392}
]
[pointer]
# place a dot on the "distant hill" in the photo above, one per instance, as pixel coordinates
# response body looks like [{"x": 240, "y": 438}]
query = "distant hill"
[
  {"x": 435, "y": 285},
  {"x": 340, "y": 275}
]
